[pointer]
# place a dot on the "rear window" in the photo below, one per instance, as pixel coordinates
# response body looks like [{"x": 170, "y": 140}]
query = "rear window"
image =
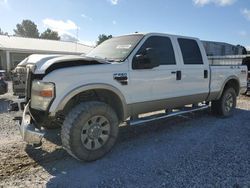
[{"x": 190, "y": 51}]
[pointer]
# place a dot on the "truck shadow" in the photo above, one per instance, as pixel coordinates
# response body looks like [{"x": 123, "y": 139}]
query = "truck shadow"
[
  {"x": 59, "y": 164},
  {"x": 126, "y": 132}
]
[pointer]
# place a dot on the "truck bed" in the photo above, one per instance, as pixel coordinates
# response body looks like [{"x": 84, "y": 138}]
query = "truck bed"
[{"x": 231, "y": 60}]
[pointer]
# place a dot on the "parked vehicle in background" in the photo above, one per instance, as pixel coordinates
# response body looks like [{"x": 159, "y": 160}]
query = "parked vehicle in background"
[
  {"x": 247, "y": 63},
  {"x": 3, "y": 84},
  {"x": 2, "y": 74},
  {"x": 89, "y": 96}
]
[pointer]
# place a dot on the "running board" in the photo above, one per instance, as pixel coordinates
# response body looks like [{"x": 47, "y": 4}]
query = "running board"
[{"x": 150, "y": 119}]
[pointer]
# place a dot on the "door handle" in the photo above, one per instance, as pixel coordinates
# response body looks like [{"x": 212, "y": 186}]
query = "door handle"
[
  {"x": 178, "y": 75},
  {"x": 205, "y": 74}
]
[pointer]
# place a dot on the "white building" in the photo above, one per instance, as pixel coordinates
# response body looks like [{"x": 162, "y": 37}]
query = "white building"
[{"x": 14, "y": 49}]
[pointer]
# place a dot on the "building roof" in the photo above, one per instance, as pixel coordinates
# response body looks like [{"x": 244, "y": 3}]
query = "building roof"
[{"x": 13, "y": 43}]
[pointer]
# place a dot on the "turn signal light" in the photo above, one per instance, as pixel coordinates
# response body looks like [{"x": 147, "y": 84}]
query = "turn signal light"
[{"x": 46, "y": 93}]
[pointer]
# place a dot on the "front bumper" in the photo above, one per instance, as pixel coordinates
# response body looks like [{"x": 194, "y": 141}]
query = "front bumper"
[{"x": 29, "y": 132}]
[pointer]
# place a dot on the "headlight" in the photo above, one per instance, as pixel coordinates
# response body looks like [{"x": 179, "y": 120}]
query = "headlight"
[{"x": 42, "y": 94}]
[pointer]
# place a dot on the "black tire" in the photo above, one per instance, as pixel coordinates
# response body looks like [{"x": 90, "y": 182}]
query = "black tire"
[
  {"x": 226, "y": 104},
  {"x": 78, "y": 131}
]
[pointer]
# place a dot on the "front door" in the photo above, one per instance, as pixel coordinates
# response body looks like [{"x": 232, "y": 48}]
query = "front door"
[{"x": 159, "y": 83}]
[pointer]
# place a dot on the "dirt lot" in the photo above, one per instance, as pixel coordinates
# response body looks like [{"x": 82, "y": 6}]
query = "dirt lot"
[{"x": 196, "y": 150}]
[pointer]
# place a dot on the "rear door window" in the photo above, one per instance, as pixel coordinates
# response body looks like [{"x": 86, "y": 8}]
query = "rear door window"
[{"x": 190, "y": 51}]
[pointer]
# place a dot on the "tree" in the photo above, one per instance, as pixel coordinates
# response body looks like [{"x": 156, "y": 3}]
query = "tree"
[
  {"x": 102, "y": 38},
  {"x": 2, "y": 32},
  {"x": 27, "y": 29},
  {"x": 49, "y": 34},
  {"x": 244, "y": 51}
]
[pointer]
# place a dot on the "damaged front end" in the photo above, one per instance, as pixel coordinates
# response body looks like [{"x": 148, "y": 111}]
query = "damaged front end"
[
  {"x": 21, "y": 81},
  {"x": 20, "y": 85},
  {"x": 30, "y": 132}
]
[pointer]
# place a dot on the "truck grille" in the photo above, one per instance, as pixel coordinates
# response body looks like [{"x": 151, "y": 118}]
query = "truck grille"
[{"x": 19, "y": 78}]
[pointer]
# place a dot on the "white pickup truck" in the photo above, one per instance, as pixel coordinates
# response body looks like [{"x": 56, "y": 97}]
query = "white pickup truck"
[{"x": 90, "y": 96}]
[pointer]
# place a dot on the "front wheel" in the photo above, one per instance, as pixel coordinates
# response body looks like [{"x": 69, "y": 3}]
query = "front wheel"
[
  {"x": 226, "y": 104},
  {"x": 90, "y": 130}
]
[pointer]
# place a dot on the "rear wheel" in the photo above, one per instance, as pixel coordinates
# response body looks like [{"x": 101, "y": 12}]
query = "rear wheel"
[
  {"x": 90, "y": 130},
  {"x": 226, "y": 104}
]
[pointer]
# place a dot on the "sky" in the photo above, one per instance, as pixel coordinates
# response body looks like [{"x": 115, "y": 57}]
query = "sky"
[{"x": 215, "y": 20}]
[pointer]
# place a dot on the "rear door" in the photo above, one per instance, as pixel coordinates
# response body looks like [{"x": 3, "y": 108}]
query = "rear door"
[{"x": 194, "y": 69}]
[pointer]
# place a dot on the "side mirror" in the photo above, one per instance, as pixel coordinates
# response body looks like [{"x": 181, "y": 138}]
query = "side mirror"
[{"x": 145, "y": 60}]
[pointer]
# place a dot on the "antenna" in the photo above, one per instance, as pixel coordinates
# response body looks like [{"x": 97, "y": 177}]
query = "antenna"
[{"x": 77, "y": 30}]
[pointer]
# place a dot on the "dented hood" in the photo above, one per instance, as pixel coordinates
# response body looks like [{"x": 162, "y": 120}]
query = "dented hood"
[{"x": 42, "y": 64}]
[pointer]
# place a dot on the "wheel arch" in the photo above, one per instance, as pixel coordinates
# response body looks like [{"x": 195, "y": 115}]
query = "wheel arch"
[
  {"x": 233, "y": 82},
  {"x": 100, "y": 92}
]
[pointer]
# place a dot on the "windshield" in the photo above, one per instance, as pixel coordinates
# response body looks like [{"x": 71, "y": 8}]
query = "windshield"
[{"x": 116, "y": 49}]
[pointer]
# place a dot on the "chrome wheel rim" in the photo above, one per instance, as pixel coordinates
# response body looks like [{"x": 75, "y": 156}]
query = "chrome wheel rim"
[
  {"x": 95, "y": 132},
  {"x": 229, "y": 102}
]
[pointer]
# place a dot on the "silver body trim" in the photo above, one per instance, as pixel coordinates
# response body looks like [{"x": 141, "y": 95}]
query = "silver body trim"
[
  {"x": 137, "y": 122},
  {"x": 170, "y": 103}
]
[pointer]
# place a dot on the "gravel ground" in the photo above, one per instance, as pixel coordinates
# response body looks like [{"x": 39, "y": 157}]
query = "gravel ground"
[{"x": 195, "y": 150}]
